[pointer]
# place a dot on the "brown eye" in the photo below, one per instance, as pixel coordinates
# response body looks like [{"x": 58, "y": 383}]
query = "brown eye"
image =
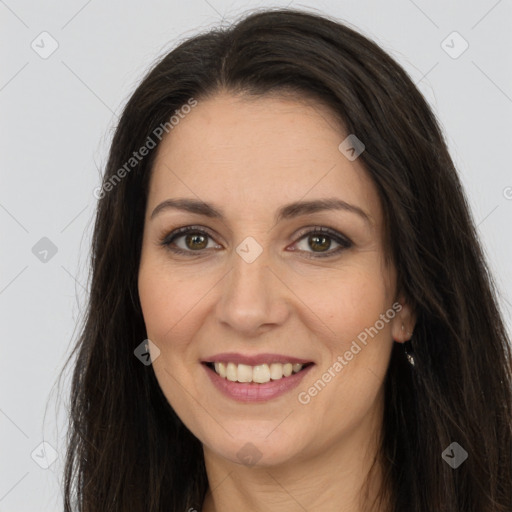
[
  {"x": 318, "y": 241},
  {"x": 195, "y": 240}
]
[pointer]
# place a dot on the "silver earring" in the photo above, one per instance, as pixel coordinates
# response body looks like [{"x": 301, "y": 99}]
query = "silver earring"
[{"x": 408, "y": 351}]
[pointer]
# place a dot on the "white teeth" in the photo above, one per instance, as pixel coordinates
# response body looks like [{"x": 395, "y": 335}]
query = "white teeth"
[
  {"x": 276, "y": 371},
  {"x": 231, "y": 372},
  {"x": 244, "y": 373},
  {"x": 260, "y": 374},
  {"x": 221, "y": 370}
]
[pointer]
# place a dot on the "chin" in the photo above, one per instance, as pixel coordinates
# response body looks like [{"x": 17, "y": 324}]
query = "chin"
[
  {"x": 257, "y": 448},
  {"x": 250, "y": 453}
]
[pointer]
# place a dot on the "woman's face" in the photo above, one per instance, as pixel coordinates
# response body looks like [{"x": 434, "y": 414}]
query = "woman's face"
[{"x": 256, "y": 286}]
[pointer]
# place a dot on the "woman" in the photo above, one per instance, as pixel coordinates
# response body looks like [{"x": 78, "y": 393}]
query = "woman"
[{"x": 290, "y": 309}]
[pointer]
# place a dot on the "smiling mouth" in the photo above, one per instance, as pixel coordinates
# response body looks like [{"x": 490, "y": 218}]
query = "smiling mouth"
[{"x": 258, "y": 374}]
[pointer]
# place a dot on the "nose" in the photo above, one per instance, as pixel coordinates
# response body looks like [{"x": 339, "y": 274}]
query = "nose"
[{"x": 253, "y": 297}]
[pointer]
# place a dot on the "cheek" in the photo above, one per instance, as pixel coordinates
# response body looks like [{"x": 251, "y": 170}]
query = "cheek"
[
  {"x": 367, "y": 301},
  {"x": 156, "y": 302},
  {"x": 346, "y": 389},
  {"x": 358, "y": 344},
  {"x": 167, "y": 303},
  {"x": 167, "y": 306},
  {"x": 347, "y": 303}
]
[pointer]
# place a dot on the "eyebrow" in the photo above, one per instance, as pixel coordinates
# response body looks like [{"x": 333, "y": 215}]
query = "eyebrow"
[{"x": 287, "y": 211}]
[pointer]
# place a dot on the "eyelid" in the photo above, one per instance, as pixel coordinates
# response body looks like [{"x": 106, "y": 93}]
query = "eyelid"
[{"x": 315, "y": 228}]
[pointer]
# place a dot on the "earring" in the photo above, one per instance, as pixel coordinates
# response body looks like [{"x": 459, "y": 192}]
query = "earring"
[{"x": 408, "y": 351}]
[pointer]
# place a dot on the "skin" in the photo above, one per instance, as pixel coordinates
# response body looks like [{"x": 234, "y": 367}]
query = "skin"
[{"x": 249, "y": 157}]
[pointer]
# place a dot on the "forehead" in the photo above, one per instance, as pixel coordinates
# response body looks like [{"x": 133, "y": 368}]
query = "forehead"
[{"x": 249, "y": 153}]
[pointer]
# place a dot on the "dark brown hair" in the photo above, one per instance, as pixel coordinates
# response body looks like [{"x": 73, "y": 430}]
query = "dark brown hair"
[{"x": 128, "y": 450}]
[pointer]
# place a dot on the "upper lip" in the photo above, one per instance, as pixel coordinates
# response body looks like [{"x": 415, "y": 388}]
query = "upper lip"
[{"x": 253, "y": 360}]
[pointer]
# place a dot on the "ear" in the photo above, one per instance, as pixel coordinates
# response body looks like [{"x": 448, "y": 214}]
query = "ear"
[{"x": 404, "y": 322}]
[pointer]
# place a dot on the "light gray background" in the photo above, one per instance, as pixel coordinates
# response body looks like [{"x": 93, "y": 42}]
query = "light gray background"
[{"x": 57, "y": 117}]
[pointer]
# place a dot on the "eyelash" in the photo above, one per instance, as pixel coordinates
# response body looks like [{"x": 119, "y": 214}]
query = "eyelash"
[{"x": 344, "y": 242}]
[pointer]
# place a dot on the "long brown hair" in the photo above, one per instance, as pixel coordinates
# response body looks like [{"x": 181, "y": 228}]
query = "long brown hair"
[{"x": 127, "y": 448}]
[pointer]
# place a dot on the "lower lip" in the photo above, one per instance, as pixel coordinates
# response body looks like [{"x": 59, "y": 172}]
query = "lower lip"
[{"x": 252, "y": 392}]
